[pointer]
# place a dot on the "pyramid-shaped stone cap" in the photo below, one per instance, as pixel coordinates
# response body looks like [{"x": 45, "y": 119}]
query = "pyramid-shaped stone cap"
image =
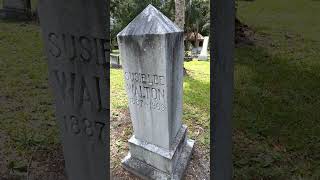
[{"x": 150, "y": 21}]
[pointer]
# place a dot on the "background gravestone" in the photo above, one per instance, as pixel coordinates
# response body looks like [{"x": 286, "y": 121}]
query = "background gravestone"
[
  {"x": 18, "y": 9},
  {"x": 204, "y": 51},
  {"x": 152, "y": 50},
  {"x": 115, "y": 61},
  {"x": 76, "y": 39}
]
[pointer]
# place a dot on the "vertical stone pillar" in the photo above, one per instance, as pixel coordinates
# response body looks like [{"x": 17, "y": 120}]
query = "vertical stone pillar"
[
  {"x": 152, "y": 51},
  {"x": 76, "y": 39}
]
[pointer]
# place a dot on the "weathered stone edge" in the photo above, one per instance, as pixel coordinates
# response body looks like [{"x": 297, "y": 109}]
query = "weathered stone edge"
[
  {"x": 158, "y": 150},
  {"x": 145, "y": 171}
]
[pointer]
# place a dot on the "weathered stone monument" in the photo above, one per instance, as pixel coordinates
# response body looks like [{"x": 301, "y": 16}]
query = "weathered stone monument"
[
  {"x": 18, "y": 9},
  {"x": 115, "y": 61},
  {"x": 204, "y": 51},
  {"x": 222, "y": 32},
  {"x": 152, "y": 50},
  {"x": 76, "y": 39}
]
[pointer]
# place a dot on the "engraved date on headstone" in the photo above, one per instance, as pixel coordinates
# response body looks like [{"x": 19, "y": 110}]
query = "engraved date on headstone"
[{"x": 83, "y": 126}]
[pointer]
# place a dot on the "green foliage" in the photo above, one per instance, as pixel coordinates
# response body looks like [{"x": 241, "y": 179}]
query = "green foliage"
[
  {"x": 276, "y": 95},
  {"x": 198, "y": 16},
  {"x": 197, "y": 13},
  {"x": 123, "y": 12}
]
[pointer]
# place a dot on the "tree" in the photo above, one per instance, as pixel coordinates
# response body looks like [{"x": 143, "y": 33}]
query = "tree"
[
  {"x": 197, "y": 18},
  {"x": 123, "y": 12},
  {"x": 180, "y": 13}
]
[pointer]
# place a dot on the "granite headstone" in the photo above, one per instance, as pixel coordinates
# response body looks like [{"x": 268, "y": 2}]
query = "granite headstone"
[
  {"x": 76, "y": 39},
  {"x": 152, "y": 53},
  {"x": 204, "y": 51}
]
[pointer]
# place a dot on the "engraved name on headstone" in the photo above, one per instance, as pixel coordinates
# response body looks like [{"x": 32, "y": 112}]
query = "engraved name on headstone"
[
  {"x": 75, "y": 35},
  {"x": 151, "y": 48}
]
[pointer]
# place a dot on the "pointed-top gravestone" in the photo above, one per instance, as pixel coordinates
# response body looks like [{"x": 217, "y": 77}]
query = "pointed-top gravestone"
[
  {"x": 150, "y": 21},
  {"x": 152, "y": 50}
]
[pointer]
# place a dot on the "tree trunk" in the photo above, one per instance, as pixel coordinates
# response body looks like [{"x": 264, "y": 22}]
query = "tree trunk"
[
  {"x": 196, "y": 37},
  {"x": 180, "y": 13},
  {"x": 180, "y": 18}
]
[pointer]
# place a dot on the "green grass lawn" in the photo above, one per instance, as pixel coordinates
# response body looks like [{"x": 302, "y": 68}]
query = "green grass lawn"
[
  {"x": 276, "y": 97},
  {"x": 27, "y": 118},
  {"x": 277, "y": 92}
]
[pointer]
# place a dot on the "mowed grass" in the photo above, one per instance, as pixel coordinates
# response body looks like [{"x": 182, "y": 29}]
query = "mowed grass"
[
  {"x": 277, "y": 92},
  {"x": 27, "y": 119}
]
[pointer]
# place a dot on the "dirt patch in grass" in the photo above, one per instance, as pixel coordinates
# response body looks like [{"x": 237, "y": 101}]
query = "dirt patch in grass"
[
  {"x": 121, "y": 130},
  {"x": 244, "y": 35},
  {"x": 47, "y": 164},
  {"x": 39, "y": 165}
]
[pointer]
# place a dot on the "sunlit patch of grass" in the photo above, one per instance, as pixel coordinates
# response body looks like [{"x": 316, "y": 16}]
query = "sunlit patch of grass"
[
  {"x": 196, "y": 100},
  {"x": 118, "y": 97}
]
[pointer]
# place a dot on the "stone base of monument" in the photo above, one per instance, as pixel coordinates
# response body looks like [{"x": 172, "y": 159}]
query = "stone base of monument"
[
  {"x": 202, "y": 58},
  {"x": 11, "y": 13},
  {"x": 149, "y": 161}
]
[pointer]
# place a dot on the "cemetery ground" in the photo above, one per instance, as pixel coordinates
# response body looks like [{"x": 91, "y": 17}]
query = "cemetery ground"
[{"x": 276, "y": 100}]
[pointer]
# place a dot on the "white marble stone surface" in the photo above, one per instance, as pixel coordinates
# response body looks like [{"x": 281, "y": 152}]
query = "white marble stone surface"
[
  {"x": 204, "y": 51},
  {"x": 151, "y": 48}
]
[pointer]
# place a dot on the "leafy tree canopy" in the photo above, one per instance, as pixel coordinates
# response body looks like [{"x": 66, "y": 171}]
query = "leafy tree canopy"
[
  {"x": 198, "y": 16},
  {"x": 123, "y": 12},
  {"x": 197, "y": 13}
]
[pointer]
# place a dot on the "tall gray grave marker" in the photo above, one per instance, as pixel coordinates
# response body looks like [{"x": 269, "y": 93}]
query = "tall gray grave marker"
[
  {"x": 222, "y": 30},
  {"x": 76, "y": 39},
  {"x": 151, "y": 48}
]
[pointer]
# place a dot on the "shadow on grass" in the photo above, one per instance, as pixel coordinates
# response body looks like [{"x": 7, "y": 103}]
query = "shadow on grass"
[{"x": 276, "y": 102}]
